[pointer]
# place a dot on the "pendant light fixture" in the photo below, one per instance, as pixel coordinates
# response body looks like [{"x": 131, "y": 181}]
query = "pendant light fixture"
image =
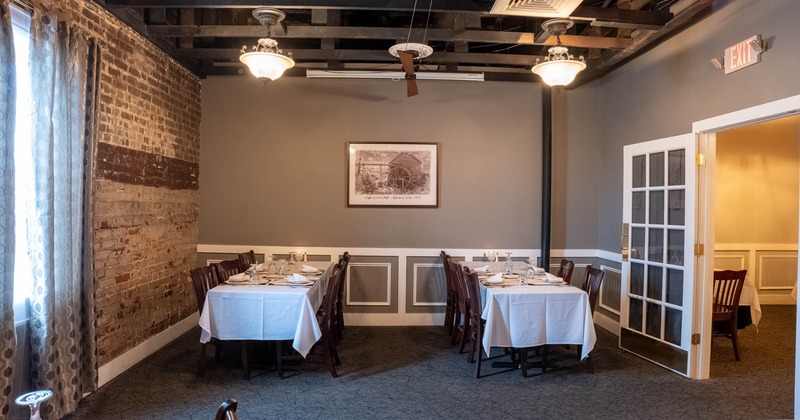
[
  {"x": 558, "y": 68},
  {"x": 265, "y": 60}
]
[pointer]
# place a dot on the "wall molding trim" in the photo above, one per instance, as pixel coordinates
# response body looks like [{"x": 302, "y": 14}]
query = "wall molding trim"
[{"x": 112, "y": 369}]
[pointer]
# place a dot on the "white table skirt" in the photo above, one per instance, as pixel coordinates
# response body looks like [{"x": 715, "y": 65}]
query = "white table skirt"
[
  {"x": 536, "y": 315},
  {"x": 263, "y": 312}
]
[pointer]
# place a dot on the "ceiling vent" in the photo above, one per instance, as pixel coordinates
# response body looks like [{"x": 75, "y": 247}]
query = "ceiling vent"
[{"x": 535, "y": 8}]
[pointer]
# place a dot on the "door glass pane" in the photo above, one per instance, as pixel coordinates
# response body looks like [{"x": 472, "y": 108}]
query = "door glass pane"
[
  {"x": 657, "y": 207},
  {"x": 655, "y": 276},
  {"x": 675, "y": 286},
  {"x": 675, "y": 247},
  {"x": 655, "y": 246},
  {"x": 637, "y": 207},
  {"x": 639, "y": 167},
  {"x": 657, "y": 169},
  {"x": 672, "y": 325},
  {"x": 677, "y": 170},
  {"x": 677, "y": 207},
  {"x": 635, "y": 314},
  {"x": 637, "y": 279},
  {"x": 653, "y": 320},
  {"x": 637, "y": 243}
]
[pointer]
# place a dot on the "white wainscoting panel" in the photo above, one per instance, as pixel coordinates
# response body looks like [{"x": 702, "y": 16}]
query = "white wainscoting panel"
[
  {"x": 771, "y": 267},
  {"x": 415, "y": 282},
  {"x": 353, "y": 266}
]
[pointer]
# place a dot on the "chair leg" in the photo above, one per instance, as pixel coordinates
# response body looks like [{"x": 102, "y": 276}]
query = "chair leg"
[
  {"x": 545, "y": 351},
  {"x": 523, "y": 361},
  {"x": 456, "y": 324},
  {"x": 245, "y": 366},
  {"x": 201, "y": 365},
  {"x": 734, "y": 339},
  {"x": 279, "y": 357},
  {"x": 480, "y": 357},
  {"x": 465, "y": 334}
]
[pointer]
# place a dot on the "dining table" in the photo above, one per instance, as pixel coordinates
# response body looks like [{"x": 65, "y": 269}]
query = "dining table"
[
  {"x": 269, "y": 307},
  {"x": 544, "y": 310}
]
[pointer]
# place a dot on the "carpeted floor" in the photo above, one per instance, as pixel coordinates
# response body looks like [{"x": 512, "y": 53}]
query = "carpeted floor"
[{"x": 412, "y": 372}]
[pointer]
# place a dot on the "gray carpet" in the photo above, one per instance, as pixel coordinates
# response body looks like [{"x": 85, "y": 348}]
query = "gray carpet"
[{"x": 412, "y": 372}]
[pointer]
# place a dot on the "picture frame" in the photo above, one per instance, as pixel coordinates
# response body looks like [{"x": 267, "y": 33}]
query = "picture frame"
[{"x": 381, "y": 174}]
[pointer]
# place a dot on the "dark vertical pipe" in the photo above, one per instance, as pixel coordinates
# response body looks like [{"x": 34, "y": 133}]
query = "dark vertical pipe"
[{"x": 547, "y": 171}]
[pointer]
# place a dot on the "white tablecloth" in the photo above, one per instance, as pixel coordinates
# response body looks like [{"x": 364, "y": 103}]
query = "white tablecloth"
[
  {"x": 535, "y": 315},
  {"x": 264, "y": 312}
]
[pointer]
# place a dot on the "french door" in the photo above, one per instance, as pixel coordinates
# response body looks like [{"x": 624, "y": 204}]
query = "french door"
[{"x": 658, "y": 251}]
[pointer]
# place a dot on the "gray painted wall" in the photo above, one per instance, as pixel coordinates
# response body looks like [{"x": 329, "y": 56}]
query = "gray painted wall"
[
  {"x": 272, "y": 162},
  {"x": 663, "y": 92}
]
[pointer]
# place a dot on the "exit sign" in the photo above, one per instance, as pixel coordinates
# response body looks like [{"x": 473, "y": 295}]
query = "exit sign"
[{"x": 742, "y": 55}]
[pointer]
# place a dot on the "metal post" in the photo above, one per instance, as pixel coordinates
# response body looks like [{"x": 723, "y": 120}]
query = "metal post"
[{"x": 547, "y": 171}]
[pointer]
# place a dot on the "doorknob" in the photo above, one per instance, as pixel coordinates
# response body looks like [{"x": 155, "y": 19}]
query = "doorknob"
[{"x": 624, "y": 241}]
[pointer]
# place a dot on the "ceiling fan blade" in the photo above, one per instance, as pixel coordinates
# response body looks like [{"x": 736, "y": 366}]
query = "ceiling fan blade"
[
  {"x": 411, "y": 85},
  {"x": 407, "y": 59}
]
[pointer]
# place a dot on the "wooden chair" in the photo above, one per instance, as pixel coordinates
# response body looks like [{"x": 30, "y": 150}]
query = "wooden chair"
[
  {"x": 450, "y": 312},
  {"x": 227, "y": 411},
  {"x": 204, "y": 279},
  {"x": 339, "y": 307},
  {"x": 325, "y": 317},
  {"x": 461, "y": 321},
  {"x": 477, "y": 324},
  {"x": 565, "y": 271},
  {"x": 728, "y": 286},
  {"x": 226, "y": 269},
  {"x": 246, "y": 260},
  {"x": 591, "y": 285}
]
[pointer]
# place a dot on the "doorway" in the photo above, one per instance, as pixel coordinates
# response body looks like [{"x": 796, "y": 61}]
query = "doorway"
[{"x": 756, "y": 189}]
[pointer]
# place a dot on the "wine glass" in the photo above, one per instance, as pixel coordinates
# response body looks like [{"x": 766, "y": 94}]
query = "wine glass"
[
  {"x": 253, "y": 272},
  {"x": 282, "y": 267},
  {"x": 292, "y": 258},
  {"x": 509, "y": 263}
]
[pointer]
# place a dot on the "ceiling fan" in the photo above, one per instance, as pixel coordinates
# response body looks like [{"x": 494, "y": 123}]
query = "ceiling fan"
[{"x": 407, "y": 52}]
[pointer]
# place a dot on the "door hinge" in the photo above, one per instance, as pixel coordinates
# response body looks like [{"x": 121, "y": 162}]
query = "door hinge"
[
  {"x": 700, "y": 159},
  {"x": 699, "y": 249},
  {"x": 695, "y": 339}
]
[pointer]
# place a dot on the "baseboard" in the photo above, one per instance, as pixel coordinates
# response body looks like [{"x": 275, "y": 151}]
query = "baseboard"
[
  {"x": 786, "y": 299},
  {"x": 135, "y": 355},
  {"x": 392, "y": 320},
  {"x": 606, "y": 323}
]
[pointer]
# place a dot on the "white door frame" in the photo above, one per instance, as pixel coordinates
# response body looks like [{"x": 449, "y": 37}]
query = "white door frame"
[{"x": 706, "y": 130}]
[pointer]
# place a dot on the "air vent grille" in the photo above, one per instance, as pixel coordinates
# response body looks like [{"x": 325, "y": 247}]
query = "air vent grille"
[{"x": 535, "y": 8}]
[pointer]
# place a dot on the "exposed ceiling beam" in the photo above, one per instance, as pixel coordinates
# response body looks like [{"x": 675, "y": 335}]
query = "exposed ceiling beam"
[
  {"x": 456, "y": 6},
  {"x": 342, "y": 32},
  {"x": 373, "y": 55},
  {"x": 647, "y": 40}
]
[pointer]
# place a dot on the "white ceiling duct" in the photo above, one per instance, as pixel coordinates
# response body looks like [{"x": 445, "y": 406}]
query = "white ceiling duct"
[{"x": 535, "y": 8}]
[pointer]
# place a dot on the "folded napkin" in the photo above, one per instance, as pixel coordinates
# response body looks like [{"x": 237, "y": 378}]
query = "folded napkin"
[
  {"x": 297, "y": 278},
  {"x": 239, "y": 277},
  {"x": 497, "y": 278},
  {"x": 481, "y": 269},
  {"x": 309, "y": 269},
  {"x": 538, "y": 270}
]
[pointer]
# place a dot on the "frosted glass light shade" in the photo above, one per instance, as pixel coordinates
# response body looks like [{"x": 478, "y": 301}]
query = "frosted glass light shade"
[
  {"x": 559, "y": 72},
  {"x": 266, "y": 65}
]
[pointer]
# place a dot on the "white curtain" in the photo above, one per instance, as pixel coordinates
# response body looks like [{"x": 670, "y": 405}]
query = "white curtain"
[
  {"x": 7, "y": 103},
  {"x": 62, "y": 323}
]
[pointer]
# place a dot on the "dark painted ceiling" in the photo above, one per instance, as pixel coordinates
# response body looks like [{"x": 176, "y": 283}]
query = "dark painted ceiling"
[{"x": 207, "y": 35}]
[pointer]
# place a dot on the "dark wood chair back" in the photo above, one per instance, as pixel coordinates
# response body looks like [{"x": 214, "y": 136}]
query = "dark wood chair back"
[
  {"x": 565, "y": 271},
  {"x": 344, "y": 261},
  {"x": 227, "y": 411},
  {"x": 473, "y": 288},
  {"x": 227, "y": 268},
  {"x": 448, "y": 274},
  {"x": 594, "y": 279},
  {"x": 203, "y": 279},
  {"x": 246, "y": 260},
  {"x": 728, "y": 286}
]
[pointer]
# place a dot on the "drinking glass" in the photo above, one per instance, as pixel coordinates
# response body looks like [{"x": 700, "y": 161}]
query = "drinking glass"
[
  {"x": 282, "y": 268},
  {"x": 509, "y": 263},
  {"x": 523, "y": 278},
  {"x": 253, "y": 272},
  {"x": 271, "y": 268},
  {"x": 292, "y": 258}
]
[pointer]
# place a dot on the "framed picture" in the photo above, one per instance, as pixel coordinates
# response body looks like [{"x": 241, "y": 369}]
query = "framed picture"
[{"x": 393, "y": 175}]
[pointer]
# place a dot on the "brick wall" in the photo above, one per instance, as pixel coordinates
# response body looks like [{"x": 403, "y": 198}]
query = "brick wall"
[{"x": 146, "y": 190}]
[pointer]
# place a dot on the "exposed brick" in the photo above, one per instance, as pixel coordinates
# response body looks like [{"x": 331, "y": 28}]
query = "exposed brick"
[{"x": 146, "y": 192}]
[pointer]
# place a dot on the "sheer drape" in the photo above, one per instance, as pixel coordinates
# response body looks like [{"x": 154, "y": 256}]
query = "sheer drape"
[
  {"x": 63, "y": 348},
  {"x": 7, "y": 103}
]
